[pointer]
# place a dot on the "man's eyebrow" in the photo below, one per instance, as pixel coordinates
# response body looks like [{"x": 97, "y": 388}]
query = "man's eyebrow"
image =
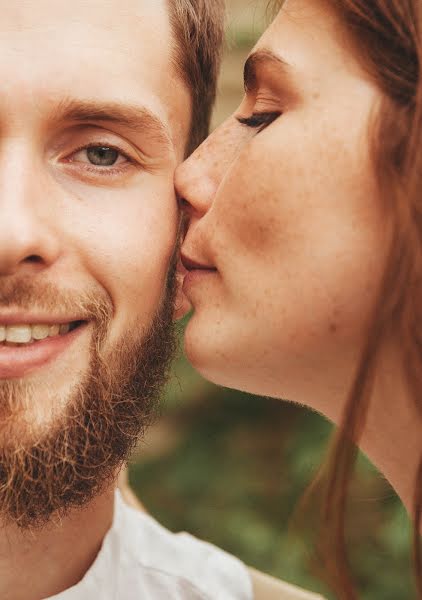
[
  {"x": 256, "y": 58},
  {"x": 136, "y": 118}
]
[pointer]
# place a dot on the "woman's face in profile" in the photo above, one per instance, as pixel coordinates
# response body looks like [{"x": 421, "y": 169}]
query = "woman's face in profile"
[{"x": 285, "y": 215}]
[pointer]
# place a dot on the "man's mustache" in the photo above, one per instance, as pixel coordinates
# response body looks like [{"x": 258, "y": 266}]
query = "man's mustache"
[{"x": 25, "y": 295}]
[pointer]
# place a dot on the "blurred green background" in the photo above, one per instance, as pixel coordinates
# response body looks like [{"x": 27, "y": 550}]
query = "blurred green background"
[{"x": 230, "y": 468}]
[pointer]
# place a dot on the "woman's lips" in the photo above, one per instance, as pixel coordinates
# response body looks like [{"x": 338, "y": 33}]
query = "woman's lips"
[
  {"x": 191, "y": 264},
  {"x": 19, "y": 360},
  {"x": 182, "y": 305},
  {"x": 196, "y": 272}
]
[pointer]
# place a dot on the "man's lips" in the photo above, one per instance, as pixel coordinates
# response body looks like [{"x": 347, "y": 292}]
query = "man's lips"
[
  {"x": 20, "y": 318},
  {"x": 17, "y": 360}
]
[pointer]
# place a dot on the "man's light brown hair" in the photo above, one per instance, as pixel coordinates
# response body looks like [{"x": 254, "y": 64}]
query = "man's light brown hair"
[{"x": 198, "y": 27}]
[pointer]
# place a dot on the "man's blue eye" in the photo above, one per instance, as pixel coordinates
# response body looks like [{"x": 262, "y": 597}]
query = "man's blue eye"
[
  {"x": 259, "y": 120},
  {"x": 102, "y": 156}
]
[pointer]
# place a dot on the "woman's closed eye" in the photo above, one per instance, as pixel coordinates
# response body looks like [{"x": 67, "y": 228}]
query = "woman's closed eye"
[{"x": 259, "y": 120}]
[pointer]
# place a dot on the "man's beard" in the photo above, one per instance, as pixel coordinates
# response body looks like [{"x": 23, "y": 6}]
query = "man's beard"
[{"x": 46, "y": 471}]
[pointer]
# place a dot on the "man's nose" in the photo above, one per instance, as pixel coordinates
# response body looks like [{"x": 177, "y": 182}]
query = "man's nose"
[
  {"x": 27, "y": 239},
  {"x": 199, "y": 177}
]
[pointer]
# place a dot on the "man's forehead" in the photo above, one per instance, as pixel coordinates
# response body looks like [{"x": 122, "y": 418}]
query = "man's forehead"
[
  {"x": 111, "y": 49},
  {"x": 118, "y": 28},
  {"x": 26, "y": 15},
  {"x": 99, "y": 36}
]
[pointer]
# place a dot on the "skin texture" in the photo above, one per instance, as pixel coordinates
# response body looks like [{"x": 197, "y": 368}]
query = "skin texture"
[
  {"x": 82, "y": 231},
  {"x": 288, "y": 229},
  {"x": 293, "y": 237}
]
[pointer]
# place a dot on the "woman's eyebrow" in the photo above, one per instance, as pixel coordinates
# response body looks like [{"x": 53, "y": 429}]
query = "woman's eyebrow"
[{"x": 256, "y": 58}]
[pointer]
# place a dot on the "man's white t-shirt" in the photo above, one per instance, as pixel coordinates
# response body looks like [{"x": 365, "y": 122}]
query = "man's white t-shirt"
[{"x": 141, "y": 560}]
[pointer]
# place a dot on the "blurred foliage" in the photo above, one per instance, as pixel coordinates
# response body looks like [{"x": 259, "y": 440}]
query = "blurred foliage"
[{"x": 231, "y": 468}]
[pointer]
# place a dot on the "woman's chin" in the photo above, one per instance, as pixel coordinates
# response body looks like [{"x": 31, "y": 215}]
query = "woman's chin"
[
  {"x": 216, "y": 353},
  {"x": 207, "y": 351}
]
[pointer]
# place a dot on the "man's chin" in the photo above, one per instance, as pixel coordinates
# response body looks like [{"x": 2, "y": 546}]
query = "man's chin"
[
  {"x": 61, "y": 444},
  {"x": 31, "y": 407},
  {"x": 32, "y": 404}
]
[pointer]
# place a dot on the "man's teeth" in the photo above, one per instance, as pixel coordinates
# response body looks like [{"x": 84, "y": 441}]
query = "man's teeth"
[{"x": 25, "y": 334}]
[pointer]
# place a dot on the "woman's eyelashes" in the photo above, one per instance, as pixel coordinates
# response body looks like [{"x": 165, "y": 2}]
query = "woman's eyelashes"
[{"x": 259, "y": 120}]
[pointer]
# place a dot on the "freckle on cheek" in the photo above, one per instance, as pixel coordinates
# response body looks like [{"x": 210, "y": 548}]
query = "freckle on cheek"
[{"x": 333, "y": 327}]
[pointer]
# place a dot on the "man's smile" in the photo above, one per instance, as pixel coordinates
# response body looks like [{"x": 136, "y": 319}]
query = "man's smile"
[{"x": 25, "y": 347}]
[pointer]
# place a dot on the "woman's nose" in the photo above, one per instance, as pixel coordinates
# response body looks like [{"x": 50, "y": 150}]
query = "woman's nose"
[{"x": 199, "y": 177}]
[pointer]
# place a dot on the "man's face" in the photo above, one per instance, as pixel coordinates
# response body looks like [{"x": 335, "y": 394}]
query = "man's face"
[{"x": 93, "y": 121}]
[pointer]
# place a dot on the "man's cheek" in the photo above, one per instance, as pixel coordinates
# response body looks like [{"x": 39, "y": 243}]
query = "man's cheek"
[{"x": 135, "y": 283}]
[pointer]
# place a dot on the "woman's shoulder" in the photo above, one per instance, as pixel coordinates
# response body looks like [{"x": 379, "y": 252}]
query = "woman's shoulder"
[{"x": 269, "y": 588}]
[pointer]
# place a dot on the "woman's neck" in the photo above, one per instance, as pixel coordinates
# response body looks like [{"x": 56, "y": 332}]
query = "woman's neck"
[{"x": 392, "y": 437}]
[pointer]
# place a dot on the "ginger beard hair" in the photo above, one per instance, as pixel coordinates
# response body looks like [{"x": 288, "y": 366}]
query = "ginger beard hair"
[{"x": 46, "y": 471}]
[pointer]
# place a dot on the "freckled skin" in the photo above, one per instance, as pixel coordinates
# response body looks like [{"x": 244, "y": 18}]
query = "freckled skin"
[{"x": 290, "y": 218}]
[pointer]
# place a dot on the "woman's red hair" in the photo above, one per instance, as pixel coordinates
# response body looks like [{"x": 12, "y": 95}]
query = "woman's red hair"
[{"x": 387, "y": 38}]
